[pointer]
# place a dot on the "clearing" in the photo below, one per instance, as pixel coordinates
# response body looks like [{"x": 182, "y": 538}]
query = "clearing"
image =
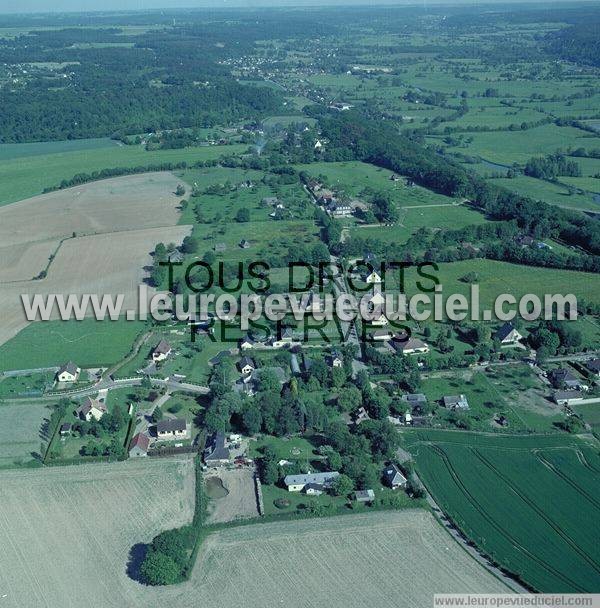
[{"x": 240, "y": 500}]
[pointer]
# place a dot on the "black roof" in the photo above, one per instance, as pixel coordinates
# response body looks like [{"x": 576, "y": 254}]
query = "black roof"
[
  {"x": 504, "y": 331},
  {"x": 172, "y": 425}
]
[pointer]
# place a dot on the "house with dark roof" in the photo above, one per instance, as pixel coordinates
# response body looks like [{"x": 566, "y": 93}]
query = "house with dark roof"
[
  {"x": 414, "y": 399},
  {"x": 393, "y": 477},
  {"x": 594, "y": 366},
  {"x": 161, "y": 351},
  {"x": 455, "y": 402},
  {"x": 246, "y": 365},
  {"x": 564, "y": 378},
  {"x": 172, "y": 428},
  {"x": 65, "y": 429},
  {"x": 138, "y": 448},
  {"x": 69, "y": 372},
  {"x": 568, "y": 397},
  {"x": 244, "y": 244},
  {"x": 216, "y": 453},
  {"x": 507, "y": 334},
  {"x": 219, "y": 357},
  {"x": 412, "y": 346},
  {"x": 364, "y": 496}
]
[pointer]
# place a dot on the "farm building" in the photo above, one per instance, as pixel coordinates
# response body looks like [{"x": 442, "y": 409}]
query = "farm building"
[
  {"x": 364, "y": 496},
  {"x": 414, "y": 399},
  {"x": 91, "y": 409},
  {"x": 139, "y": 446},
  {"x": 339, "y": 209},
  {"x": 65, "y": 429},
  {"x": 297, "y": 483},
  {"x": 69, "y": 372},
  {"x": 216, "y": 453},
  {"x": 507, "y": 334},
  {"x": 455, "y": 402},
  {"x": 567, "y": 397},
  {"x": 167, "y": 430},
  {"x": 392, "y": 477},
  {"x": 161, "y": 351}
]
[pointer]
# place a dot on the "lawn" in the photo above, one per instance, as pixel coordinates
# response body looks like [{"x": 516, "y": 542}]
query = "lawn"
[
  {"x": 514, "y": 497},
  {"x": 28, "y": 175},
  {"x": 30, "y": 385},
  {"x": 88, "y": 343}
]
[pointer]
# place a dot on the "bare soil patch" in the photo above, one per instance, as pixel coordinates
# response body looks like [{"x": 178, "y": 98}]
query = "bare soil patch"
[{"x": 240, "y": 501}]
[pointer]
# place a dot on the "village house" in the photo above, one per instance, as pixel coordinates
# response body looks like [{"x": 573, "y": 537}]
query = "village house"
[
  {"x": 139, "y": 446},
  {"x": 360, "y": 415},
  {"x": 246, "y": 343},
  {"x": 373, "y": 277},
  {"x": 323, "y": 481},
  {"x": 412, "y": 346},
  {"x": 216, "y": 453},
  {"x": 91, "y": 409},
  {"x": 507, "y": 335},
  {"x": 334, "y": 359},
  {"x": 170, "y": 429},
  {"x": 340, "y": 209},
  {"x": 594, "y": 366},
  {"x": 65, "y": 429},
  {"x": 69, "y": 372},
  {"x": 414, "y": 399},
  {"x": 455, "y": 402},
  {"x": 244, "y": 244},
  {"x": 161, "y": 351},
  {"x": 381, "y": 335},
  {"x": 393, "y": 478},
  {"x": 564, "y": 378},
  {"x": 285, "y": 338},
  {"x": 246, "y": 365}
]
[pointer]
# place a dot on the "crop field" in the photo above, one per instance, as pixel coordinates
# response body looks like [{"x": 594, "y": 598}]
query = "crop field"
[
  {"x": 132, "y": 202},
  {"x": 12, "y": 151},
  {"x": 27, "y": 176},
  {"x": 66, "y": 532},
  {"x": 515, "y": 498},
  {"x": 103, "y": 264},
  {"x": 20, "y": 437}
]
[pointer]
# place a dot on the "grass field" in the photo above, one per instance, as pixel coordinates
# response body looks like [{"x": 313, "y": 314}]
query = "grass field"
[
  {"x": 515, "y": 498},
  {"x": 12, "y": 151},
  {"x": 27, "y": 176},
  {"x": 20, "y": 436},
  {"x": 87, "y": 342}
]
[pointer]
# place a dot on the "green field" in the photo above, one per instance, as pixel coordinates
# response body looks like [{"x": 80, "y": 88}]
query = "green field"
[
  {"x": 88, "y": 343},
  {"x": 29, "y": 175},
  {"x": 516, "y": 498},
  {"x": 12, "y": 151}
]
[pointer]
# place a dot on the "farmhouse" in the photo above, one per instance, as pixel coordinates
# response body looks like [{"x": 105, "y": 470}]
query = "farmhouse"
[
  {"x": 414, "y": 399},
  {"x": 297, "y": 483},
  {"x": 340, "y": 209},
  {"x": 216, "y": 453},
  {"x": 507, "y": 334},
  {"x": 567, "y": 397},
  {"x": 91, "y": 409},
  {"x": 373, "y": 277},
  {"x": 393, "y": 478},
  {"x": 69, "y": 372},
  {"x": 161, "y": 351},
  {"x": 364, "y": 496},
  {"x": 314, "y": 489},
  {"x": 139, "y": 446},
  {"x": 246, "y": 365},
  {"x": 326, "y": 197},
  {"x": 455, "y": 402},
  {"x": 65, "y": 429},
  {"x": 175, "y": 428},
  {"x": 412, "y": 346}
]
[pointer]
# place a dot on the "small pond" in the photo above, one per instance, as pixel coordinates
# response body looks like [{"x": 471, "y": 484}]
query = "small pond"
[{"x": 215, "y": 488}]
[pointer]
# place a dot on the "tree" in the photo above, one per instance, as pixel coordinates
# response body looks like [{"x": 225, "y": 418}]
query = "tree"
[
  {"x": 268, "y": 467},
  {"x": 189, "y": 245},
  {"x": 243, "y": 215},
  {"x": 172, "y": 543},
  {"x": 342, "y": 485},
  {"x": 252, "y": 418},
  {"x": 180, "y": 191},
  {"x": 157, "y": 414},
  {"x": 159, "y": 569},
  {"x": 349, "y": 399}
]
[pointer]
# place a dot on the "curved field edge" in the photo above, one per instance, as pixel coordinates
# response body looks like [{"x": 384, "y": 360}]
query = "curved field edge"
[{"x": 516, "y": 508}]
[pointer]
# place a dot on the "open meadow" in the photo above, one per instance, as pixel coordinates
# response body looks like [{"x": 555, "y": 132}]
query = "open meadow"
[
  {"x": 20, "y": 432},
  {"x": 515, "y": 498}
]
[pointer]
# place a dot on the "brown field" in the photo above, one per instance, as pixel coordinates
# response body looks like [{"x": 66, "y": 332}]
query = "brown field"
[
  {"x": 132, "y": 202},
  {"x": 25, "y": 261},
  {"x": 240, "y": 502},
  {"x": 104, "y": 264},
  {"x": 66, "y": 535}
]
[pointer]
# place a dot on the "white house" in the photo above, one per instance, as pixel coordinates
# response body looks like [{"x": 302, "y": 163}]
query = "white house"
[
  {"x": 373, "y": 278},
  {"x": 456, "y": 402},
  {"x": 167, "y": 430},
  {"x": 508, "y": 335},
  {"x": 297, "y": 483},
  {"x": 139, "y": 446},
  {"x": 161, "y": 351},
  {"x": 69, "y": 372},
  {"x": 246, "y": 365},
  {"x": 91, "y": 409},
  {"x": 392, "y": 476},
  {"x": 413, "y": 346}
]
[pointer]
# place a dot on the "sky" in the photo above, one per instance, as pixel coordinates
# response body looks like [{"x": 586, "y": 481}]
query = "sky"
[{"x": 43, "y": 6}]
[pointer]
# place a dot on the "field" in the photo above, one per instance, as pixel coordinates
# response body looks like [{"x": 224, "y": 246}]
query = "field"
[
  {"x": 103, "y": 264},
  {"x": 515, "y": 498},
  {"x": 74, "y": 550},
  {"x": 20, "y": 437},
  {"x": 27, "y": 176}
]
